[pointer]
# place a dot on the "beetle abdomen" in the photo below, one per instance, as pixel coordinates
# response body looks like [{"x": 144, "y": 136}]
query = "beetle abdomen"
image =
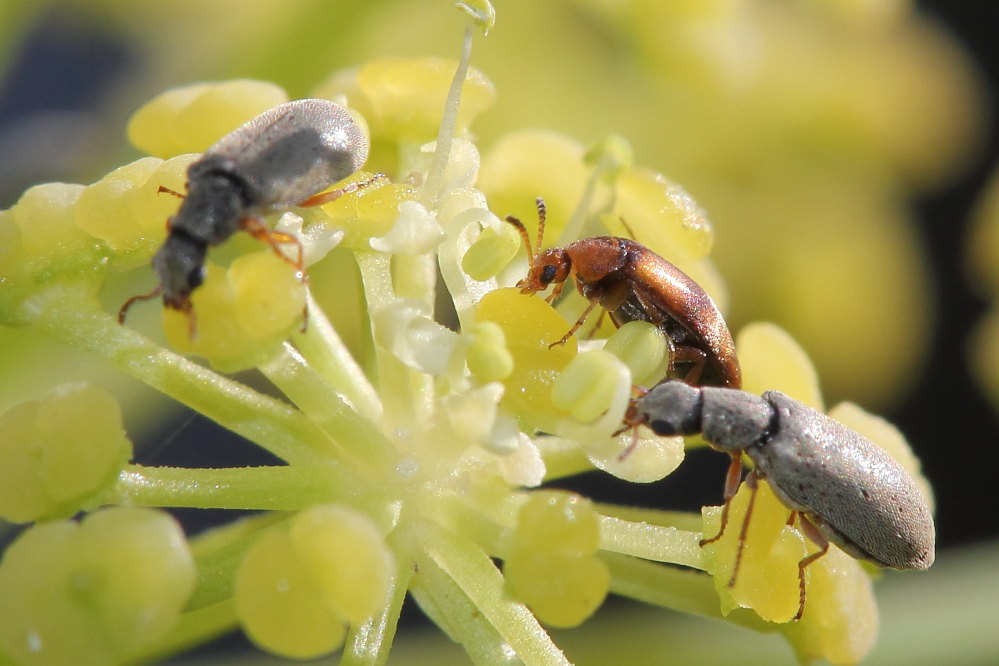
[
  {"x": 293, "y": 151},
  {"x": 853, "y": 490}
]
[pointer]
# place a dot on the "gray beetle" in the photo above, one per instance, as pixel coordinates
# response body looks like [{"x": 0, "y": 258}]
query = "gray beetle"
[
  {"x": 281, "y": 158},
  {"x": 844, "y": 487}
]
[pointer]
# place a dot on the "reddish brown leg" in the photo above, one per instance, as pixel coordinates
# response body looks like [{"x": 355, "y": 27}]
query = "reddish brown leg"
[
  {"x": 744, "y": 532},
  {"x": 256, "y": 228},
  {"x": 816, "y": 537},
  {"x": 333, "y": 195},
  {"x": 693, "y": 355},
  {"x": 167, "y": 190},
  {"x": 555, "y": 293},
  {"x": 732, "y": 479},
  {"x": 575, "y": 327},
  {"x": 631, "y": 421},
  {"x": 192, "y": 323},
  {"x": 596, "y": 327},
  {"x": 609, "y": 301}
]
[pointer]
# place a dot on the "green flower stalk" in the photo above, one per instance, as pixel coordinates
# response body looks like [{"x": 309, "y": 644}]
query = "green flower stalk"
[{"x": 410, "y": 440}]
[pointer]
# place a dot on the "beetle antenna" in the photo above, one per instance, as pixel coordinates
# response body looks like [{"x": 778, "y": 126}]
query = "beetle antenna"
[
  {"x": 519, "y": 226},
  {"x": 542, "y": 216}
]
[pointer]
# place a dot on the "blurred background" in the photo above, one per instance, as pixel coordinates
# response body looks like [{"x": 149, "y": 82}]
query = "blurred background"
[{"x": 844, "y": 150}]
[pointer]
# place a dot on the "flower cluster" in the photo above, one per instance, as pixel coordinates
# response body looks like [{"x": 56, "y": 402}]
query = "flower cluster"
[{"x": 409, "y": 436}]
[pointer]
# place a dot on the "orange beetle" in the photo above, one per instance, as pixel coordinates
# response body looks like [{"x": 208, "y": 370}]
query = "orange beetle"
[{"x": 632, "y": 282}]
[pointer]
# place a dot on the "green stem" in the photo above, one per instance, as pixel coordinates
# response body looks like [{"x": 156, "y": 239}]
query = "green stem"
[
  {"x": 195, "y": 628},
  {"x": 310, "y": 392},
  {"x": 487, "y": 525},
  {"x": 370, "y": 643},
  {"x": 218, "y": 553},
  {"x": 481, "y": 585},
  {"x": 671, "y": 587},
  {"x": 327, "y": 354},
  {"x": 433, "y": 187},
  {"x": 396, "y": 383},
  {"x": 262, "y": 488},
  {"x": 684, "y": 520},
  {"x": 416, "y": 277},
  {"x": 453, "y": 612},
  {"x": 268, "y": 423},
  {"x": 651, "y": 542}
]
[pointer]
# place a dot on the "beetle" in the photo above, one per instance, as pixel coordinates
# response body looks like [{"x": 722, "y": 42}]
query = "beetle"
[
  {"x": 631, "y": 282},
  {"x": 843, "y": 487},
  {"x": 281, "y": 158}
]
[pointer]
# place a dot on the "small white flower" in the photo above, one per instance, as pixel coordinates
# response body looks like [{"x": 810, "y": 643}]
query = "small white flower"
[
  {"x": 462, "y": 169},
  {"x": 406, "y": 329},
  {"x": 416, "y": 231},
  {"x": 472, "y": 413},
  {"x": 523, "y": 466},
  {"x": 317, "y": 239}
]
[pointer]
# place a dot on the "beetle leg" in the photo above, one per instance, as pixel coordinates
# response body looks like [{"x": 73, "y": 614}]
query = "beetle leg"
[
  {"x": 555, "y": 293},
  {"x": 744, "y": 531},
  {"x": 135, "y": 299},
  {"x": 162, "y": 189},
  {"x": 575, "y": 327},
  {"x": 192, "y": 324},
  {"x": 256, "y": 228},
  {"x": 816, "y": 537},
  {"x": 731, "y": 487},
  {"x": 596, "y": 327},
  {"x": 698, "y": 358},
  {"x": 616, "y": 297},
  {"x": 631, "y": 422},
  {"x": 333, "y": 195}
]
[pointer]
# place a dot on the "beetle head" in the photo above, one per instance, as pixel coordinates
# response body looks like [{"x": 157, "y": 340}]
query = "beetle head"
[
  {"x": 550, "y": 267},
  {"x": 180, "y": 265}
]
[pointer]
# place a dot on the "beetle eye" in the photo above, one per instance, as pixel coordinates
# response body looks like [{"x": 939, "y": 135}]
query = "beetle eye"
[{"x": 548, "y": 274}]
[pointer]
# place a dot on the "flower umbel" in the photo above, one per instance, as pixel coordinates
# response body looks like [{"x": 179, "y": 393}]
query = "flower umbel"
[{"x": 408, "y": 435}]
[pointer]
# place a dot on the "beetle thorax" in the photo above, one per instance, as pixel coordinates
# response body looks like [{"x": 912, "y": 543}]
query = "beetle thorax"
[
  {"x": 212, "y": 212},
  {"x": 594, "y": 259}
]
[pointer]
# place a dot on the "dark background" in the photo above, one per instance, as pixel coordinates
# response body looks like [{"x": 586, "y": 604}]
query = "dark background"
[{"x": 953, "y": 429}]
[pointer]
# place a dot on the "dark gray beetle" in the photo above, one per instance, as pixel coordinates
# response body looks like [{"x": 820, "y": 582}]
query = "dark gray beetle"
[
  {"x": 844, "y": 487},
  {"x": 281, "y": 158}
]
